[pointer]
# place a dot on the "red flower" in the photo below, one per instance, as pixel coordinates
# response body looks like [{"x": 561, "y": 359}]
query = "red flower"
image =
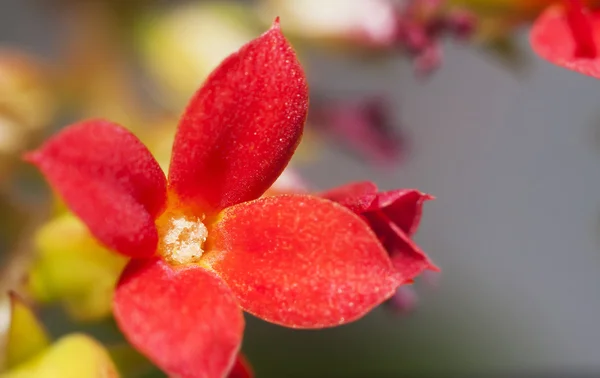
[
  {"x": 569, "y": 35},
  {"x": 202, "y": 244},
  {"x": 394, "y": 216}
]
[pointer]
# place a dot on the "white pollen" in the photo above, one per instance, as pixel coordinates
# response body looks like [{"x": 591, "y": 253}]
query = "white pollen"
[{"x": 183, "y": 240}]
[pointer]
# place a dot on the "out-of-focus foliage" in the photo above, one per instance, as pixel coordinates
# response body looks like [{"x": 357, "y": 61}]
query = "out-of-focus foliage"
[
  {"x": 24, "y": 335},
  {"x": 28, "y": 352},
  {"x": 73, "y": 268},
  {"x": 72, "y": 356},
  {"x": 26, "y": 105},
  {"x": 181, "y": 46}
]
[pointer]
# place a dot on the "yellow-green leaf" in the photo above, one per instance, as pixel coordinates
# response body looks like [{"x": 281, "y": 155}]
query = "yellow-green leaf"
[
  {"x": 73, "y": 268},
  {"x": 73, "y": 356},
  {"x": 26, "y": 336}
]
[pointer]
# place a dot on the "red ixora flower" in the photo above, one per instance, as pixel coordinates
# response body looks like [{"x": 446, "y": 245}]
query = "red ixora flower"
[
  {"x": 203, "y": 244},
  {"x": 568, "y": 35}
]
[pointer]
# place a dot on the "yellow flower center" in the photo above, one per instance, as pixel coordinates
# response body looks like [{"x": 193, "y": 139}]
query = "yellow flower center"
[{"x": 181, "y": 237}]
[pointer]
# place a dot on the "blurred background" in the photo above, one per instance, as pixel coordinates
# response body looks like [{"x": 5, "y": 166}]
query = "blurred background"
[{"x": 508, "y": 152}]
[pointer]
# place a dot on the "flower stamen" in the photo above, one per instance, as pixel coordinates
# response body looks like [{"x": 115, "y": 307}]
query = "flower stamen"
[{"x": 181, "y": 238}]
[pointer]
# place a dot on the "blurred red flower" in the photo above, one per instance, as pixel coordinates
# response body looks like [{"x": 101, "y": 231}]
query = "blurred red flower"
[{"x": 568, "y": 35}]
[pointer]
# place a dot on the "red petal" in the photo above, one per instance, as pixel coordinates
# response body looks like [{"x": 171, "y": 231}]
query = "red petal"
[
  {"x": 408, "y": 259},
  {"x": 242, "y": 127},
  {"x": 185, "y": 319},
  {"x": 404, "y": 207},
  {"x": 358, "y": 196},
  {"x": 301, "y": 261},
  {"x": 394, "y": 216},
  {"x": 110, "y": 180},
  {"x": 568, "y": 37},
  {"x": 241, "y": 368}
]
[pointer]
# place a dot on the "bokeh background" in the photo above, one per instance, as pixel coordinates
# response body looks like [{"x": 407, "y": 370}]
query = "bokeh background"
[{"x": 512, "y": 158}]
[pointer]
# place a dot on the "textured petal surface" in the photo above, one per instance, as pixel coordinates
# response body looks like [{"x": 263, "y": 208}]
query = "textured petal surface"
[
  {"x": 110, "y": 180},
  {"x": 241, "y": 128},
  {"x": 184, "y": 319},
  {"x": 569, "y": 38},
  {"x": 300, "y": 261}
]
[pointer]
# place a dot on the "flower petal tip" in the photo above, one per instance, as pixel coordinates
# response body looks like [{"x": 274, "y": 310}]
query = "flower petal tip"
[
  {"x": 276, "y": 24},
  {"x": 32, "y": 157},
  {"x": 428, "y": 197},
  {"x": 433, "y": 267}
]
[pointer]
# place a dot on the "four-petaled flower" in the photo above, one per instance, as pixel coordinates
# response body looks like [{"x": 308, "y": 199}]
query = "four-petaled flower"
[
  {"x": 203, "y": 244},
  {"x": 568, "y": 35}
]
